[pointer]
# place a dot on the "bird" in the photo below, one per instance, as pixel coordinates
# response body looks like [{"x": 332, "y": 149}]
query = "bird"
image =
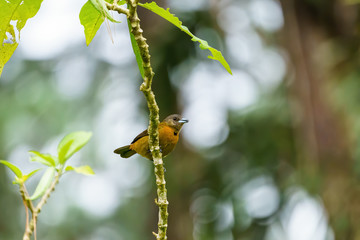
[{"x": 169, "y": 130}]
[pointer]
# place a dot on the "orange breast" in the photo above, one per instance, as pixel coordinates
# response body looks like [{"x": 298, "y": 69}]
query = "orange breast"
[{"x": 167, "y": 140}]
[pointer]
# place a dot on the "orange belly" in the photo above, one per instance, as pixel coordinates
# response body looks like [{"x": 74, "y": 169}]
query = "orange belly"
[{"x": 167, "y": 140}]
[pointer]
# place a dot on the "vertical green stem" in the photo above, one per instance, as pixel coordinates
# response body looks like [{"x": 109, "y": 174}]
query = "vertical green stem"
[{"x": 145, "y": 87}]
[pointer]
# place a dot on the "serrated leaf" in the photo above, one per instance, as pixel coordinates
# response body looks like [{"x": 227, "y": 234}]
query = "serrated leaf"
[
  {"x": 136, "y": 50},
  {"x": 72, "y": 143},
  {"x": 216, "y": 55},
  {"x": 91, "y": 19},
  {"x": 45, "y": 159},
  {"x": 100, "y": 5},
  {"x": 86, "y": 170},
  {"x": 13, "y": 14},
  {"x": 13, "y": 168},
  {"x": 44, "y": 183}
]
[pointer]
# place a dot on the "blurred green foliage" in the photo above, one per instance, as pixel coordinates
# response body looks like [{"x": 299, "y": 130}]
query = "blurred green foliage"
[{"x": 261, "y": 179}]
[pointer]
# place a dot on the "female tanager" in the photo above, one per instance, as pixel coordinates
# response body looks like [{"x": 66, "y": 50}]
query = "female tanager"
[{"x": 169, "y": 130}]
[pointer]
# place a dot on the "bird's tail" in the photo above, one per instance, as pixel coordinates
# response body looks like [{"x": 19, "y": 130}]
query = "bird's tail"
[{"x": 125, "y": 151}]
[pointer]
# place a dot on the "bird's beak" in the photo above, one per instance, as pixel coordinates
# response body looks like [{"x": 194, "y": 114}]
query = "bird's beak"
[{"x": 183, "y": 120}]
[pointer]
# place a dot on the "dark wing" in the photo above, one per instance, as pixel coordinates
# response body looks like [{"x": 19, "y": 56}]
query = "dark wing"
[{"x": 143, "y": 134}]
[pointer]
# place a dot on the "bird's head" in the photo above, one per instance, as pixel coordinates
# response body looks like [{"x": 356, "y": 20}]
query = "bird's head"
[{"x": 175, "y": 121}]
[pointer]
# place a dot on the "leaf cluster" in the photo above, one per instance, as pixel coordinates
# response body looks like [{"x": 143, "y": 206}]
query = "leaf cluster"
[
  {"x": 94, "y": 12},
  {"x": 69, "y": 145},
  {"x": 18, "y": 11},
  {"x": 92, "y": 15}
]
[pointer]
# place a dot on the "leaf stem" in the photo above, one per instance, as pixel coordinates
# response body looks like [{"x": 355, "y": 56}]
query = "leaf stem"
[
  {"x": 25, "y": 197},
  {"x": 117, "y": 8},
  {"x": 35, "y": 211}
]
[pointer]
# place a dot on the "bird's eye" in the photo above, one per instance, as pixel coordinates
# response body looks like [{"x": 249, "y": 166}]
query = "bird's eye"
[{"x": 175, "y": 118}]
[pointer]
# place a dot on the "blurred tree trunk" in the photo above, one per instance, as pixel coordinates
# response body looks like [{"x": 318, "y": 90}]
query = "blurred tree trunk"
[{"x": 322, "y": 141}]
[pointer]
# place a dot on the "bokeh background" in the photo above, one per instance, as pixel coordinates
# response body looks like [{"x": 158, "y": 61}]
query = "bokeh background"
[{"x": 270, "y": 152}]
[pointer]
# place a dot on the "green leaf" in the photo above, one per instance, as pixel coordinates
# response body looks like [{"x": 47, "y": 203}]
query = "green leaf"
[
  {"x": 62, "y": 153},
  {"x": 136, "y": 51},
  {"x": 72, "y": 143},
  {"x": 86, "y": 170},
  {"x": 13, "y": 16},
  {"x": 91, "y": 19},
  {"x": 100, "y": 5},
  {"x": 45, "y": 159},
  {"x": 13, "y": 168},
  {"x": 216, "y": 55},
  {"x": 25, "y": 177},
  {"x": 44, "y": 183}
]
